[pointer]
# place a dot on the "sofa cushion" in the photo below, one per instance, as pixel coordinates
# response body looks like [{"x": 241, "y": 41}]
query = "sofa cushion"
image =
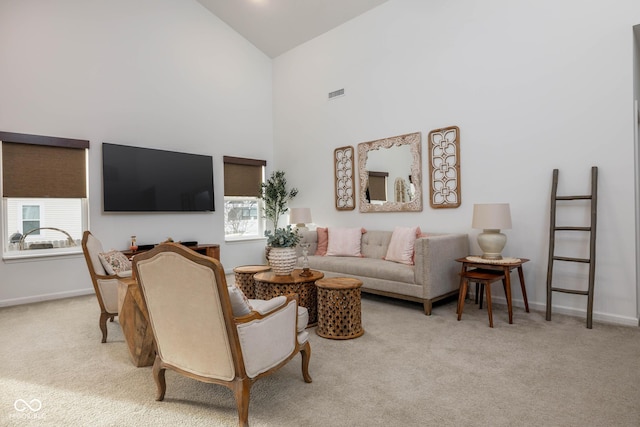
[
  {"x": 364, "y": 267},
  {"x": 401, "y": 245},
  {"x": 375, "y": 244},
  {"x": 344, "y": 241}
]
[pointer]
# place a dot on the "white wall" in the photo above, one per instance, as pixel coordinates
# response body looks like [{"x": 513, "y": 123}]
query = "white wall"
[
  {"x": 154, "y": 73},
  {"x": 533, "y": 86}
]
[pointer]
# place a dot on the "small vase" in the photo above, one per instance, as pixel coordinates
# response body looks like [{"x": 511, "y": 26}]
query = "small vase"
[{"x": 282, "y": 260}]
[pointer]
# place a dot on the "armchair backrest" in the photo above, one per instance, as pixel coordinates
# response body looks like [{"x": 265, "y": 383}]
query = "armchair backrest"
[
  {"x": 91, "y": 247},
  {"x": 106, "y": 287},
  {"x": 189, "y": 311}
]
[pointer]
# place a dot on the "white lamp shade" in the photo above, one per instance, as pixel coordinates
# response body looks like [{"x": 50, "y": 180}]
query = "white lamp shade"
[
  {"x": 491, "y": 216},
  {"x": 300, "y": 216}
]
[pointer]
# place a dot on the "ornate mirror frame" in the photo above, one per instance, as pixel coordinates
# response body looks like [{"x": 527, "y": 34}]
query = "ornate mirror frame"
[
  {"x": 414, "y": 141},
  {"x": 344, "y": 185}
]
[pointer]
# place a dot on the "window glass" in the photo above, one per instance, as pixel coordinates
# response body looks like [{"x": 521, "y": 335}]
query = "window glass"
[
  {"x": 243, "y": 218},
  {"x": 58, "y": 225},
  {"x": 31, "y": 219}
]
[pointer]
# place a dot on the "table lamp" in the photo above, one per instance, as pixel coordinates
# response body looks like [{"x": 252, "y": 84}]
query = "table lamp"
[
  {"x": 491, "y": 218},
  {"x": 300, "y": 217}
]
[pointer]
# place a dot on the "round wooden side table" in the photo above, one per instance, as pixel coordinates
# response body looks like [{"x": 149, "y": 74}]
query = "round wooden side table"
[
  {"x": 339, "y": 308},
  {"x": 244, "y": 278},
  {"x": 268, "y": 286}
]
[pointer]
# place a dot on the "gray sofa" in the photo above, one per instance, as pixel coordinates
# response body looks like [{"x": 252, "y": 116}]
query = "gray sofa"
[{"x": 433, "y": 277}]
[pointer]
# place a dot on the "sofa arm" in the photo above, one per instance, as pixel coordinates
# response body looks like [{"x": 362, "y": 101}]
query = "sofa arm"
[{"x": 436, "y": 269}]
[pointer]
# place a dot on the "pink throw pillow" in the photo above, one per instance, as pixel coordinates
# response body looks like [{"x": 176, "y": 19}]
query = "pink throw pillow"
[
  {"x": 323, "y": 241},
  {"x": 344, "y": 242},
  {"x": 401, "y": 245}
]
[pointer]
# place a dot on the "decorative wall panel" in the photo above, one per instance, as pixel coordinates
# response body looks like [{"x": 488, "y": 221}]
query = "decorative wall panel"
[
  {"x": 344, "y": 186},
  {"x": 444, "y": 167}
]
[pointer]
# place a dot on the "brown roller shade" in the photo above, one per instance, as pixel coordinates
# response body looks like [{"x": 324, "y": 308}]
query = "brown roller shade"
[
  {"x": 242, "y": 177},
  {"x": 377, "y": 186},
  {"x": 31, "y": 170}
]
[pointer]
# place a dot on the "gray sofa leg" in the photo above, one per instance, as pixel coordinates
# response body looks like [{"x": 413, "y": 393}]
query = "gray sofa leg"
[{"x": 427, "y": 307}]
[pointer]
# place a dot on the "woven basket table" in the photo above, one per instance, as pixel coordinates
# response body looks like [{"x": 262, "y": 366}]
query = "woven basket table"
[
  {"x": 339, "y": 308},
  {"x": 244, "y": 278},
  {"x": 269, "y": 285}
]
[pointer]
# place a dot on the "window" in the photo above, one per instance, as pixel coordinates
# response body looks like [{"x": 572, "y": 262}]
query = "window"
[
  {"x": 44, "y": 194},
  {"x": 378, "y": 186},
  {"x": 243, "y": 218},
  {"x": 30, "y": 219}
]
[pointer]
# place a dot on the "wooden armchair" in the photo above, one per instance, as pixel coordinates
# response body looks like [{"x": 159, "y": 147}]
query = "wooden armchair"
[
  {"x": 197, "y": 334},
  {"x": 106, "y": 286}
]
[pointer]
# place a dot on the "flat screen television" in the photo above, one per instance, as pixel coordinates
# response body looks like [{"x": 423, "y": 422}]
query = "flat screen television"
[{"x": 136, "y": 179}]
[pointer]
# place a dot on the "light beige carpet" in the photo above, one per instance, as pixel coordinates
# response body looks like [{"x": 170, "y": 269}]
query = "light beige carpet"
[{"x": 408, "y": 369}]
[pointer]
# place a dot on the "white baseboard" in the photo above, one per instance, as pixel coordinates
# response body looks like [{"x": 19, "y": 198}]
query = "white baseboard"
[
  {"x": 569, "y": 311},
  {"x": 600, "y": 317},
  {"x": 45, "y": 297}
]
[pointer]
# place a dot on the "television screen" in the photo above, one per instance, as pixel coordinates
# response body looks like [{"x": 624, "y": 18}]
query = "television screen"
[{"x": 136, "y": 179}]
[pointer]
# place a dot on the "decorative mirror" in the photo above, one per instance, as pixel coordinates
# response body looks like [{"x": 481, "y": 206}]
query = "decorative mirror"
[
  {"x": 344, "y": 186},
  {"x": 390, "y": 173},
  {"x": 444, "y": 167}
]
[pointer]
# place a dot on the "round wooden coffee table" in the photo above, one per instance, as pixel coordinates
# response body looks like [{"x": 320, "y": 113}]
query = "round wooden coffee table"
[
  {"x": 339, "y": 308},
  {"x": 244, "y": 278},
  {"x": 268, "y": 286}
]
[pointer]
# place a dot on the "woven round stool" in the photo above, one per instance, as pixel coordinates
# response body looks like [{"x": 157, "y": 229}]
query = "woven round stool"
[
  {"x": 339, "y": 308},
  {"x": 244, "y": 278}
]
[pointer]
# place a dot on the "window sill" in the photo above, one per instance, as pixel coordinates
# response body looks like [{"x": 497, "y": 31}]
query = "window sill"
[
  {"x": 31, "y": 254},
  {"x": 244, "y": 239}
]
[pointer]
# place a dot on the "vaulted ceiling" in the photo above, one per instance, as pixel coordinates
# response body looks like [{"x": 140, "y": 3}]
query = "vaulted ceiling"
[{"x": 276, "y": 26}]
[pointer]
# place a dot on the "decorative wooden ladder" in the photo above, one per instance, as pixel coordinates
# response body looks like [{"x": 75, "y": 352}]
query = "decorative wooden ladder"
[{"x": 593, "y": 197}]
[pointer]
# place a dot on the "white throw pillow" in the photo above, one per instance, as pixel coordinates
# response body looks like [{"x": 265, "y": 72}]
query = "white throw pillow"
[
  {"x": 344, "y": 241},
  {"x": 239, "y": 302},
  {"x": 402, "y": 244}
]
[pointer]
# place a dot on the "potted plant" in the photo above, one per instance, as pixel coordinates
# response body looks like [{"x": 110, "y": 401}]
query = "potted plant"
[
  {"x": 281, "y": 242},
  {"x": 275, "y": 195},
  {"x": 282, "y": 237},
  {"x": 282, "y": 253}
]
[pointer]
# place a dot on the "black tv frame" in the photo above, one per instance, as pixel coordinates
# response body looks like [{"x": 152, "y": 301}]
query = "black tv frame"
[{"x": 143, "y": 179}]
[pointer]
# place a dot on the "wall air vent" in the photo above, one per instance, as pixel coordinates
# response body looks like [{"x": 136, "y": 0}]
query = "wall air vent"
[{"x": 336, "y": 93}]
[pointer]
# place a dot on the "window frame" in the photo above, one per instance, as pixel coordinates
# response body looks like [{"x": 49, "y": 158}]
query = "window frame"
[
  {"x": 13, "y": 253},
  {"x": 10, "y": 252},
  {"x": 261, "y": 222},
  {"x": 21, "y": 219},
  {"x": 260, "y": 219}
]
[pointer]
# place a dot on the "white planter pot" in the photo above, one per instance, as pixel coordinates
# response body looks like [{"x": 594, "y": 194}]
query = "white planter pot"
[{"x": 282, "y": 260}]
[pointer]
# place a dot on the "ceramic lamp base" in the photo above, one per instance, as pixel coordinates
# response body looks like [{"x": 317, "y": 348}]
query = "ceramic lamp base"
[{"x": 492, "y": 242}]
